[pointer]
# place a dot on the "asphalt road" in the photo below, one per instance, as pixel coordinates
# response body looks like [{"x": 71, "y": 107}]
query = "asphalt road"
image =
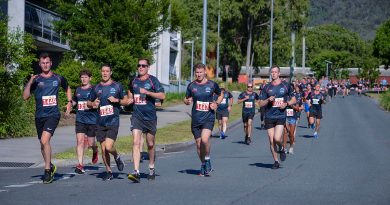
[{"x": 348, "y": 164}]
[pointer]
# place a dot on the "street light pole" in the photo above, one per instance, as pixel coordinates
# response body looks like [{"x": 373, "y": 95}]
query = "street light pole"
[
  {"x": 219, "y": 23},
  {"x": 327, "y": 67},
  {"x": 192, "y": 58},
  {"x": 271, "y": 37},
  {"x": 204, "y": 34}
]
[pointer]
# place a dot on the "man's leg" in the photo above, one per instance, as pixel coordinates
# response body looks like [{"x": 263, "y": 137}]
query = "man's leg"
[
  {"x": 285, "y": 133},
  {"x": 46, "y": 148},
  {"x": 224, "y": 124},
  {"x": 105, "y": 156},
  {"x": 80, "y": 147},
  {"x": 137, "y": 137},
  {"x": 271, "y": 133},
  {"x": 249, "y": 127},
  {"x": 318, "y": 121},
  {"x": 150, "y": 138}
]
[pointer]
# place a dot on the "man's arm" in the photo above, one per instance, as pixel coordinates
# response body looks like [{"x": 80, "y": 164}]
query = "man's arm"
[{"x": 26, "y": 91}]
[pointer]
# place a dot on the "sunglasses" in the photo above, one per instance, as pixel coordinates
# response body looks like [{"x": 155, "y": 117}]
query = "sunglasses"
[
  {"x": 142, "y": 66},
  {"x": 250, "y": 86}
]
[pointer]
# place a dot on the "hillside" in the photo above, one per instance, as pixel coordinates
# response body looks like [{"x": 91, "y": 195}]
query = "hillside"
[{"x": 361, "y": 16}]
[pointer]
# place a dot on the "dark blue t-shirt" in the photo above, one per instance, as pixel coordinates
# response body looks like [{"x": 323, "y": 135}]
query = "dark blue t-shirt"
[
  {"x": 249, "y": 105},
  {"x": 202, "y": 96},
  {"x": 108, "y": 112},
  {"x": 223, "y": 106},
  {"x": 282, "y": 93},
  {"x": 144, "y": 105},
  {"x": 298, "y": 97},
  {"x": 84, "y": 114},
  {"x": 45, "y": 91},
  {"x": 316, "y": 100}
]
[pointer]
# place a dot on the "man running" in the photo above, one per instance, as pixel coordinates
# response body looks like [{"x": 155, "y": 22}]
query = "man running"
[
  {"x": 144, "y": 90},
  {"x": 316, "y": 99},
  {"x": 276, "y": 97},
  {"x": 85, "y": 121},
  {"x": 45, "y": 87},
  {"x": 248, "y": 99},
  {"x": 200, "y": 93},
  {"x": 107, "y": 97},
  {"x": 262, "y": 109},
  {"x": 223, "y": 110}
]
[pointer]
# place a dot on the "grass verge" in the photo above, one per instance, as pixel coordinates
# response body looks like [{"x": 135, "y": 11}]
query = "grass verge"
[{"x": 177, "y": 132}]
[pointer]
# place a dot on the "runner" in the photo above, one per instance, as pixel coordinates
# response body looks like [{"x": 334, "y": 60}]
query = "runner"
[
  {"x": 45, "y": 88},
  {"x": 249, "y": 100},
  {"x": 262, "y": 109},
  {"x": 200, "y": 93},
  {"x": 276, "y": 97},
  {"x": 360, "y": 86},
  {"x": 306, "y": 103},
  {"x": 223, "y": 110},
  {"x": 144, "y": 89},
  {"x": 85, "y": 121},
  {"x": 316, "y": 99},
  {"x": 108, "y": 96},
  {"x": 292, "y": 113}
]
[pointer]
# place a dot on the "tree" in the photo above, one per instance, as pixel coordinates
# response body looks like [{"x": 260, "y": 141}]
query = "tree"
[
  {"x": 114, "y": 32},
  {"x": 382, "y": 43}
]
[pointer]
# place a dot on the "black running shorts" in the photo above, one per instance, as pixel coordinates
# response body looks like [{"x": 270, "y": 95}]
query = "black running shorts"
[
  {"x": 144, "y": 126},
  {"x": 87, "y": 129},
  {"x": 103, "y": 132},
  {"x": 221, "y": 114},
  {"x": 197, "y": 129},
  {"x": 48, "y": 124},
  {"x": 247, "y": 116},
  {"x": 271, "y": 123},
  {"x": 315, "y": 113}
]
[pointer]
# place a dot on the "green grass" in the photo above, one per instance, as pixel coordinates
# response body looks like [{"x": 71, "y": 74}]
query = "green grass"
[
  {"x": 373, "y": 95},
  {"x": 384, "y": 100},
  {"x": 177, "y": 132}
]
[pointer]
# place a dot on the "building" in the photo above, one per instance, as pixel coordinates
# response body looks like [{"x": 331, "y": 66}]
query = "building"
[
  {"x": 354, "y": 74},
  {"x": 32, "y": 16},
  {"x": 261, "y": 74}
]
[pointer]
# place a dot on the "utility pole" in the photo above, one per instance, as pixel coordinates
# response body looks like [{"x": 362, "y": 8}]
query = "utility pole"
[
  {"x": 219, "y": 27},
  {"x": 204, "y": 34}
]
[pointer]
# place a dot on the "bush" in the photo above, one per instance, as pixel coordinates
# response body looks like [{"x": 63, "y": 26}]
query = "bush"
[
  {"x": 384, "y": 100},
  {"x": 16, "y": 117}
]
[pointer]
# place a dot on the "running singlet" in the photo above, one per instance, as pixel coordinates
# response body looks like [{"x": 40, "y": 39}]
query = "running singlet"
[
  {"x": 144, "y": 105},
  {"x": 108, "y": 112},
  {"x": 316, "y": 100},
  {"x": 249, "y": 105},
  {"x": 202, "y": 96},
  {"x": 223, "y": 106},
  {"x": 84, "y": 114},
  {"x": 282, "y": 93},
  {"x": 46, "y": 94}
]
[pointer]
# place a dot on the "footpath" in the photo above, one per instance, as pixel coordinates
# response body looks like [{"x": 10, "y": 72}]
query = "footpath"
[{"x": 20, "y": 152}]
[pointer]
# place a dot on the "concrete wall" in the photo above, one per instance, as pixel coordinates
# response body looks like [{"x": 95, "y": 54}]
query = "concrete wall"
[{"x": 16, "y": 14}]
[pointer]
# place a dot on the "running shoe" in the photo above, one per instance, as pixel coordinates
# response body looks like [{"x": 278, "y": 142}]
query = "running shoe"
[
  {"x": 315, "y": 135},
  {"x": 53, "y": 169},
  {"x": 246, "y": 140},
  {"x": 95, "y": 157},
  {"x": 79, "y": 169},
  {"x": 135, "y": 177},
  {"x": 249, "y": 140},
  {"x": 152, "y": 174},
  {"x": 47, "y": 177},
  {"x": 276, "y": 165},
  {"x": 313, "y": 126},
  {"x": 108, "y": 176},
  {"x": 282, "y": 154},
  {"x": 119, "y": 163},
  {"x": 208, "y": 167},
  {"x": 222, "y": 136},
  {"x": 291, "y": 150},
  {"x": 202, "y": 171}
]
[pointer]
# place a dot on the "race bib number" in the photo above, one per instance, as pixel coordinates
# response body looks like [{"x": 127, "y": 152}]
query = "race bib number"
[
  {"x": 223, "y": 101},
  {"x": 82, "y": 105},
  {"x": 50, "y": 100},
  {"x": 248, "y": 105},
  {"x": 202, "y": 106},
  {"x": 106, "y": 110},
  {"x": 139, "y": 100},
  {"x": 316, "y": 101},
  {"x": 290, "y": 112},
  {"x": 278, "y": 102}
]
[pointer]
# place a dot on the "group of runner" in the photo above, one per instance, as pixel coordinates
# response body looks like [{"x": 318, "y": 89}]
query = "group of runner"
[{"x": 98, "y": 108}]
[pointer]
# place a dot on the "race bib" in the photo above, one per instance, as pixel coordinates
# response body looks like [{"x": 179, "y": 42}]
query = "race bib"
[
  {"x": 316, "y": 101},
  {"x": 223, "y": 101},
  {"x": 139, "y": 100},
  {"x": 248, "y": 105},
  {"x": 50, "y": 100},
  {"x": 202, "y": 106},
  {"x": 106, "y": 110},
  {"x": 82, "y": 105},
  {"x": 290, "y": 112},
  {"x": 278, "y": 102}
]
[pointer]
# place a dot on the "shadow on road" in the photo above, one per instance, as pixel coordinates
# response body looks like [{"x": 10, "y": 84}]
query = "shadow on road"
[
  {"x": 306, "y": 136},
  {"x": 239, "y": 142},
  {"x": 190, "y": 171},
  {"x": 57, "y": 176},
  {"x": 268, "y": 166},
  {"x": 116, "y": 175}
]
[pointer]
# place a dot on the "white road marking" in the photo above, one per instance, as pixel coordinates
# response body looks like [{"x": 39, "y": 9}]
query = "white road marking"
[
  {"x": 2, "y": 190},
  {"x": 18, "y": 185}
]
